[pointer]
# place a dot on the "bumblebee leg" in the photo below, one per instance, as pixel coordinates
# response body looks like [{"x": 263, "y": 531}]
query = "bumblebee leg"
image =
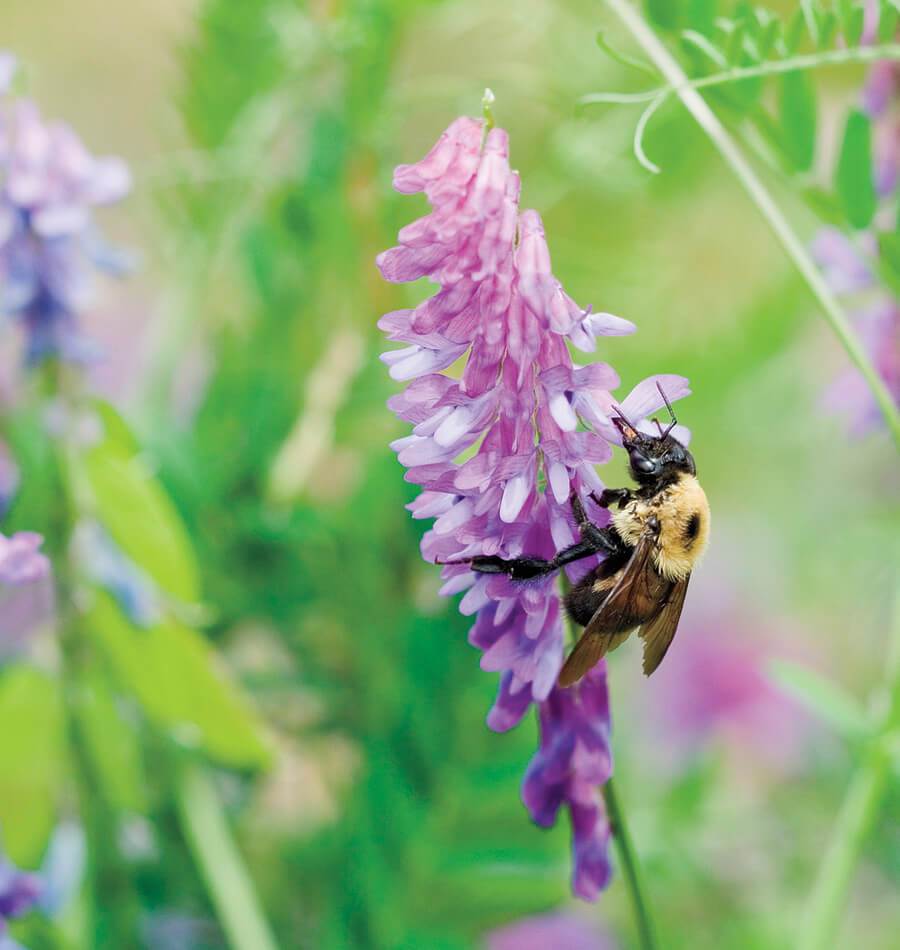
[
  {"x": 610, "y": 496},
  {"x": 526, "y": 568},
  {"x": 607, "y": 539}
]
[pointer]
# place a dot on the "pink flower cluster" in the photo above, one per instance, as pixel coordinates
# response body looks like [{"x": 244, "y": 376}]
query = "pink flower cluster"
[{"x": 499, "y": 446}]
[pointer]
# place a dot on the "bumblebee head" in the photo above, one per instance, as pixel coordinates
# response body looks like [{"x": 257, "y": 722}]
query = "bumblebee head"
[{"x": 654, "y": 458}]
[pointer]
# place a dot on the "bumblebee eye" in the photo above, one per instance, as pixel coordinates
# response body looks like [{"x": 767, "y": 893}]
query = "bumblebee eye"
[{"x": 643, "y": 464}]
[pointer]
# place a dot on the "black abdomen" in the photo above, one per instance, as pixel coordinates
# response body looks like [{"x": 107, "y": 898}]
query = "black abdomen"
[{"x": 582, "y": 601}]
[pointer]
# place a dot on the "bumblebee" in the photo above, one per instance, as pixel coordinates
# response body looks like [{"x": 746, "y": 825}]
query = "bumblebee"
[{"x": 655, "y": 538}]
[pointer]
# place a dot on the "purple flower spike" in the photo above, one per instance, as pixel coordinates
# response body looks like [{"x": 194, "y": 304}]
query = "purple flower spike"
[
  {"x": 49, "y": 246},
  {"x": 500, "y": 446}
]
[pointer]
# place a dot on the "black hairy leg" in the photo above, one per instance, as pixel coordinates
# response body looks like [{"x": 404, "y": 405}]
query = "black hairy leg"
[
  {"x": 612, "y": 496},
  {"x": 594, "y": 540}
]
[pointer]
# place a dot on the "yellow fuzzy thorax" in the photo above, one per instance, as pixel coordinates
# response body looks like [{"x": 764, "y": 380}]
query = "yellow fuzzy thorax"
[{"x": 677, "y": 552}]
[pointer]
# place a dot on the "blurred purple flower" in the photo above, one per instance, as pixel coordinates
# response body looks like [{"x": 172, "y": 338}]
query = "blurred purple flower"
[
  {"x": 19, "y": 891},
  {"x": 715, "y": 687},
  {"x": 20, "y": 560},
  {"x": 26, "y": 589},
  {"x": 9, "y": 478},
  {"x": 555, "y": 931},
  {"x": 49, "y": 186},
  {"x": 499, "y": 449},
  {"x": 852, "y": 267}
]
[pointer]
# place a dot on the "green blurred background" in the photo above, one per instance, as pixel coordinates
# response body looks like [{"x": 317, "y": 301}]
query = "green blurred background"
[{"x": 262, "y": 135}]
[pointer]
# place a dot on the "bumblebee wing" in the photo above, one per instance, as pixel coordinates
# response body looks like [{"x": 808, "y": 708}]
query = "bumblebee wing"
[
  {"x": 659, "y": 632},
  {"x": 634, "y": 599}
]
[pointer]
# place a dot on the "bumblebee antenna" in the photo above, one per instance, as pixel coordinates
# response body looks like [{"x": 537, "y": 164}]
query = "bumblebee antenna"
[
  {"x": 618, "y": 411},
  {"x": 674, "y": 421}
]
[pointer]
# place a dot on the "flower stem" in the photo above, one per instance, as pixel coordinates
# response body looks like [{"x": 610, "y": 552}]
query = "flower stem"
[
  {"x": 860, "y": 809},
  {"x": 230, "y": 888},
  {"x": 765, "y": 203},
  {"x": 630, "y": 867}
]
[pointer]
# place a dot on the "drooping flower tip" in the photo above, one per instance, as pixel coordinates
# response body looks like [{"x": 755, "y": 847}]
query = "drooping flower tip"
[
  {"x": 21, "y": 561},
  {"x": 573, "y": 760}
]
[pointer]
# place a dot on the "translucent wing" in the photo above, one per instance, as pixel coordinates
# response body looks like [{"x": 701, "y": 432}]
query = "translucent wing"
[
  {"x": 635, "y": 599},
  {"x": 659, "y": 632}
]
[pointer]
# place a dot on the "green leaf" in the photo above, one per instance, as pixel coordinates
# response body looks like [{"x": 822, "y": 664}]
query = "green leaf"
[
  {"x": 141, "y": 519},
  {"x": 828, "y": 23},
  {"x": 33, "y": 759},
  {"x": 826, "y": 206},
  {"x": 889, "y": 259},
  {"x": 701, "y": 15},
  {"x": 853, "y": 25},
  {"x": 822, "y": 697},
  {"x": 887, "y": 24},
  {"x": 793, "y": 35},
  {"x": 181, "y": 684},
  {"x": 797, "y": 108},
  {"x": 111, "y": 745},
  {"x": 853, "y": 178},
  {"x": 665, "y": 13},
  {"x": 769, "y": 33}
]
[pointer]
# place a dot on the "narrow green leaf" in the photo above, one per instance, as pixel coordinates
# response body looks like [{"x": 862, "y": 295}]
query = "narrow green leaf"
[
  {"x": 111, "y": 744},
  {"x": 181, "y": 684},
  {"x": 665, "y": 13},
  {"x": 769, "y": 33},
  {"x": 853, "y": 177},
  {"x": 797, "y": 109},
  {"x": 735, "y": 45},
  {"x": 793, "y": 35},
  {"x": 693, "y": 40},
  {"x": 701, "y": 15},
  {"x": 142, "y": 520},
  {"x": 33, "y": 760},
  {"x": 889, "y": 259},
  {"x": 822, "y": 697},
  {"x": 887, "y": 23},
  {"x": 854, "y": 25},
  {"x": 825, "y": 205},
  {"x": 828, "y": 24}
]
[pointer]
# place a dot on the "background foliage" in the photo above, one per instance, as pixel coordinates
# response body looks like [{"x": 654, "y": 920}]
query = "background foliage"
[{"x": 301, "y": 661}]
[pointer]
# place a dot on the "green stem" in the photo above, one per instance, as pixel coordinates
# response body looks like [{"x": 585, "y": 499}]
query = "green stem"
[
  {"x": 860, "y": 808},
  {"x": 859, "y": 811},
  {"x": 230, "y": 888},
  {"x": 628, "y": 859},
  {"x": 744, "y": 172},
  {"x": 837, "y": 57},
  {"x": 630, "y": 868}
]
